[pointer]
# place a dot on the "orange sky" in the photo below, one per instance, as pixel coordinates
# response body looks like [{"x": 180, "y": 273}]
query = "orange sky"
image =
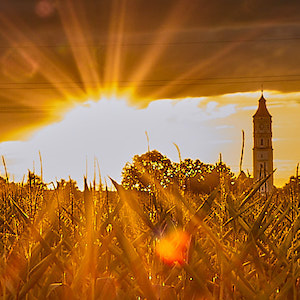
[{"x": 56, "y": 55}]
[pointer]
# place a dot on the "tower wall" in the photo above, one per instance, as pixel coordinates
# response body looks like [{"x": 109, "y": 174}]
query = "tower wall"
[{"x": 262, "y": 146}]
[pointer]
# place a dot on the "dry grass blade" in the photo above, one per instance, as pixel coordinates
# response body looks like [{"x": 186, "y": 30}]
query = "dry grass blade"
[
  {"x": 105, "y": 289},
  {"x": 130, "y": 198},
  {"x": 206, "y": 294},
  {"x": 136, "y": 265},
  {"x": 273, "y": 286},
  {"x": 232, "y": 210},
  {"x": 21, "y": 212},
  {"x": 290, "y": 236},
  {"x": 38, "y": 237},
  {"x": 201, "y": 212},
  {"x": 37, "y": 272},
  {"x": 257, "y": 261},
  {"x": 111, "y": 216},
  {"x": 5, "y": 168},
  {"x": 257, "y": 226},
  {"x": 255, "y": 188}
]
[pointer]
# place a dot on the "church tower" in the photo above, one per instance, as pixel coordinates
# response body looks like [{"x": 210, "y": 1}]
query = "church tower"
[{"x": 262, "y": 149}]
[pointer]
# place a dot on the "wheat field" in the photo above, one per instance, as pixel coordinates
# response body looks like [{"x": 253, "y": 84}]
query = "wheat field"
[{"x": 167, "y": 242}]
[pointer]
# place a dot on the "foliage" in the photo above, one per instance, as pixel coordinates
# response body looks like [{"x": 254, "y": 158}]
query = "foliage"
[
  {"x": 140, "y": 174},
  {"x": 151, "y": 169}
]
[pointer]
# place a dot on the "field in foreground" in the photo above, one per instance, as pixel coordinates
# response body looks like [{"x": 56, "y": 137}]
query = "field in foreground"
[{"x": 167, "y": 242}]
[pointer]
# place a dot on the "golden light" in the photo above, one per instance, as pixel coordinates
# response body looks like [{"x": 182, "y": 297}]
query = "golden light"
[
  {"x": 45, "y": 80},
  {"x": 173, "y": 248},
  {"x": 201, "y": 68},
  {"x": 160, "y": 44}
]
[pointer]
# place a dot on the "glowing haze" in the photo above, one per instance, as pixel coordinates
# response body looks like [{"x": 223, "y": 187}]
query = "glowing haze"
[
  {"x": 113, "y": 132},
  {"x": 191, "y": 72}
]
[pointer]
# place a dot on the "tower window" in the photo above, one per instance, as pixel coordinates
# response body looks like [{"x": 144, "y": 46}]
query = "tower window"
[{"x": 261, "y": 142}]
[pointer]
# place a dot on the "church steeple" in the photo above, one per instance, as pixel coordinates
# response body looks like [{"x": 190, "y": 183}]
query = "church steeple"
[
  {"x": 262, "y": 149},
  {"x": 262, "y": 110}
]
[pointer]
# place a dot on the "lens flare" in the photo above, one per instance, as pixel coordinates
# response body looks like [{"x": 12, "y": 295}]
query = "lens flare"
[
  {"x": 173, "y": 248},
  {"x": 45, "y": 8}
]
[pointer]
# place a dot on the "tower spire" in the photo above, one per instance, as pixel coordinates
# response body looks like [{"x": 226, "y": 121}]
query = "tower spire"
[
  {"x": 262, "y": 110},
  {"x": 262, "y": 150}
]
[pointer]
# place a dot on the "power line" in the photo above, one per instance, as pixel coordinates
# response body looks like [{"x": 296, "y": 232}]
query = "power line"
[
  {"x": 101, "y": 45},
  {"x": 193, "y": 83},
  {"x": 184, "y": 81}
]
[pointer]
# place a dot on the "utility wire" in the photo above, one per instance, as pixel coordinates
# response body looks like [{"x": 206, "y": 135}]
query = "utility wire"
[
  {"x": 157, "y": 80},
  {"x": 170, "y": 83},
  {"x": 101, "y": 45},
  {"x": 190, "y": 81}
]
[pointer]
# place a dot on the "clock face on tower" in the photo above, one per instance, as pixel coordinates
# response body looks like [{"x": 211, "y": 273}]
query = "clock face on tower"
[{"x": 261, "y": 126}]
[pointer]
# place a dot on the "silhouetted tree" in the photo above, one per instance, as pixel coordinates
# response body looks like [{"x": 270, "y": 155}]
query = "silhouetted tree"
[
  {"x": 147, "y": 171},
  {"x": 192, "y": 173},
  {"x": 152, "y": 171}
]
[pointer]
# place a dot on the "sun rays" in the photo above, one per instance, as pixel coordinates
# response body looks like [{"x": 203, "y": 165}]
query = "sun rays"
[
  {"x": 93, "y": 69},
  {"x": 77, "y": 32},
  {"x": 77, "y": 55},
  {"x": 122, "y": 174},
  {"x": 79, "y": 64}
]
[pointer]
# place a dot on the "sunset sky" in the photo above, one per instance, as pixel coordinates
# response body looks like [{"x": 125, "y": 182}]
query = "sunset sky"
[{"x": 86, "y": 79}]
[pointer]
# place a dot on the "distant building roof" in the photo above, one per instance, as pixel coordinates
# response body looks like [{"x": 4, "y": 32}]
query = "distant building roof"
[{"x": 262, "y": 110}]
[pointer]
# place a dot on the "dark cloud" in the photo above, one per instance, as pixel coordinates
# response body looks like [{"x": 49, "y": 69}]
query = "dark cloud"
[
  {"x": 16, "y": 119},
  {"x": 53, "y": 54}
]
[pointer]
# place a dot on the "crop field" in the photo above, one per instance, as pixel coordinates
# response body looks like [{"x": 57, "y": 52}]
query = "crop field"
[{"x": 156, "y": 235}]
